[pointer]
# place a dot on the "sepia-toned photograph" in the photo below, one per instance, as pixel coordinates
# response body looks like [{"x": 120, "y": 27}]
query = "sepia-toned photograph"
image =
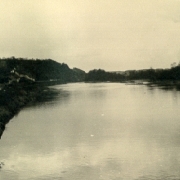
[{"x": 89, "y": 90}]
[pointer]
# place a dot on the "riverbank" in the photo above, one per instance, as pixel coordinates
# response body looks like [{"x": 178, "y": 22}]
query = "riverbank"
[{"x": 15, "y": 96}]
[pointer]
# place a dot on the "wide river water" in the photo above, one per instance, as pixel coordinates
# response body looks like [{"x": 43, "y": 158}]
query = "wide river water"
[{"x": 95, "y": 131}]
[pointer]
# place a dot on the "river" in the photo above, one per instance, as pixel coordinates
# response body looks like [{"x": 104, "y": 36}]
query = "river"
[{"x": 95, "y": 131}]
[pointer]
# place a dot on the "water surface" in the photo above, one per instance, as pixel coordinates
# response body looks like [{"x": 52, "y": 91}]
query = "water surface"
[{"x": 100, "y": 131}]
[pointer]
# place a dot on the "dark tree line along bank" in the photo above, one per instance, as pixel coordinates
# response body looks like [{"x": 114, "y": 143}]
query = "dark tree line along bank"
[
  {"x": 40, "y": 70},
  {"x": 51, "y": 71},
  {"x": 152, "y": 75},
  {"x": 101, "y": 75}
]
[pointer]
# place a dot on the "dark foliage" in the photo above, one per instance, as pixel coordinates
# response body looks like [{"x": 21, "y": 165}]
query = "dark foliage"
[
  {"x": 172, "y": 74},
  {"x": 40, "y": 70},
  {"x": 99, "y": 75},
  {"x": 102, "y": 76}
]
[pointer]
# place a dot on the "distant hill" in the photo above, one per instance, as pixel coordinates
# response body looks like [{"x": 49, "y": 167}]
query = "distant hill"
[{"x": 40, "y": 70}]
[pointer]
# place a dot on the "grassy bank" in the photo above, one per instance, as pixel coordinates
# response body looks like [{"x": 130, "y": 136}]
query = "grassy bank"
[{"x": 15, "y": 96}]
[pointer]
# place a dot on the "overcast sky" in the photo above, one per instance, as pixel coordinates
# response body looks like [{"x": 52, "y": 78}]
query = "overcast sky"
[{"x": 89, "y": 34}]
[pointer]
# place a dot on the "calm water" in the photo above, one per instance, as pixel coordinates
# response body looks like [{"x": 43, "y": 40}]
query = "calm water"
[{"x": 103, "y": 131}]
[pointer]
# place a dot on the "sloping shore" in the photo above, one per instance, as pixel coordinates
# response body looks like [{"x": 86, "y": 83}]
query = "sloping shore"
[{"x": 15, "y": 96}]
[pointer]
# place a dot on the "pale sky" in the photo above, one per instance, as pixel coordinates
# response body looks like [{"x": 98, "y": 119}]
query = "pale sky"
[{"x": 89, "y": 34}]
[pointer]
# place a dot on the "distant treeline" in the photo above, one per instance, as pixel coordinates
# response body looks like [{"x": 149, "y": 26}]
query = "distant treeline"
[
  {"x": 101, "y": 75},
  {"x": 172, "y": 74},
  {"x": 156, "y": 74},
  {"x": 51, "y": 71},
  {"x": 40, "y": 70}
]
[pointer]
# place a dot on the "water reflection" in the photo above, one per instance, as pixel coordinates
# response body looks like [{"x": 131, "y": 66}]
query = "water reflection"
[
  {"x": 127, "y": 133},
  {"x": 45, "y": 97},
  {"x": 49, "y": 96},
  {"x": 165, "y": 85}
]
